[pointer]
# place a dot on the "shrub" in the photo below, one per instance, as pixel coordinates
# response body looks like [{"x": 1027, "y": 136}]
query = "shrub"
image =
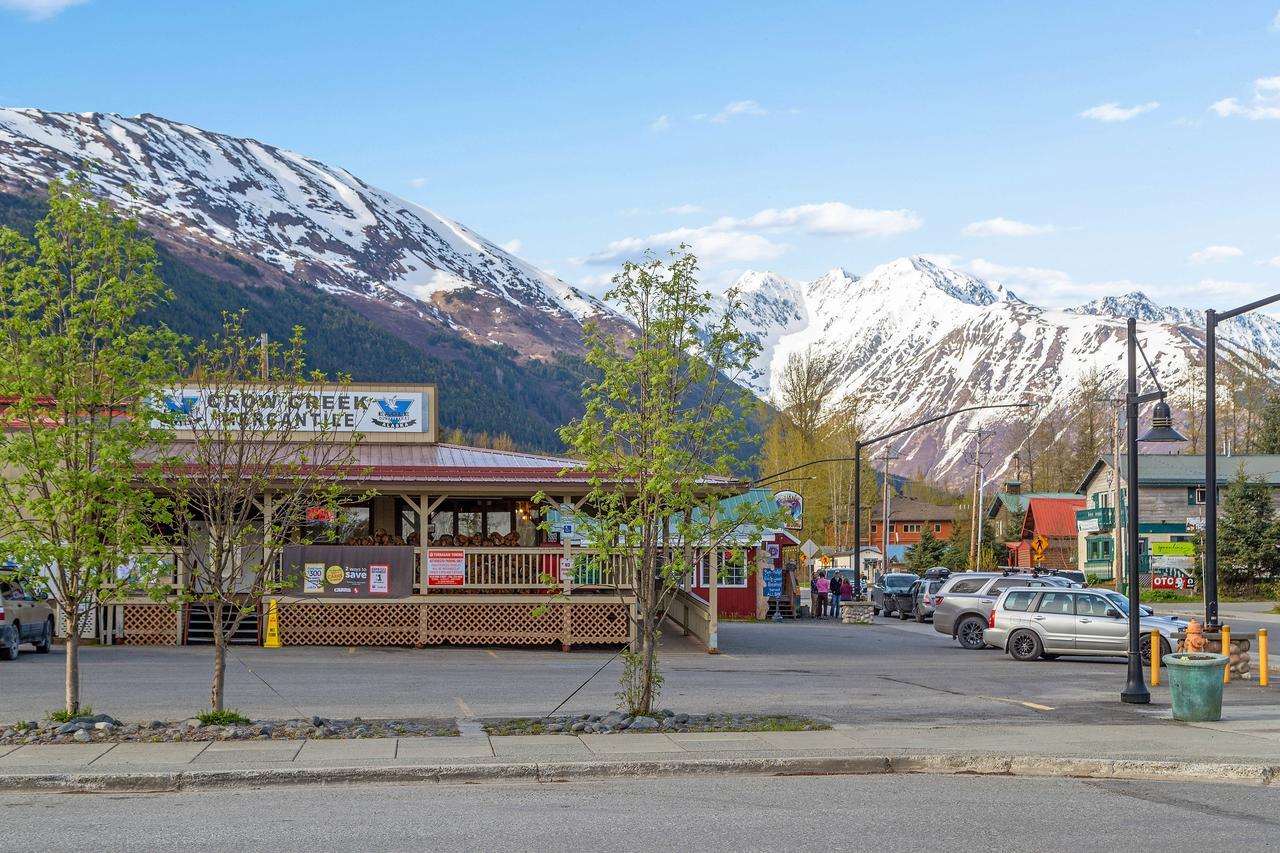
[
  {"x": 62, "y": 715},
  {"x": 226, "y": 717}
]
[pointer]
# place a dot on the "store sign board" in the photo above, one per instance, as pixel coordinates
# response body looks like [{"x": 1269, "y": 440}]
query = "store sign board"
[
  {"x": 349, "y": 409},
  {"x": 350, "y": 571},
  {"x": 772, "y": 583},
  {"x": 792, "y": 506},
  {"x": 446, "y": 567},
  {"x": 1173, "y": 549}
]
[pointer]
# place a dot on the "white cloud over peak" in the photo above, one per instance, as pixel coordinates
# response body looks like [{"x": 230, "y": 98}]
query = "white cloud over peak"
[
  {"x": 417, "y": 182},
  {"x": 1214, "y": 253},
  {"x": 684, "y": 209},
  {"x": 38, "y": 10},
  {"x": 734, "y": 108},
  {"x": 1111, "y": 111},
  {"x": 660, "y": 124},
  {"x": 730, "y": 239},
  {"x": 1001, "y": 227},
  {"x": 511, "y": 246},
  {"x": 1275, "y": 23},
  {"x": 1264, "y": 104}
]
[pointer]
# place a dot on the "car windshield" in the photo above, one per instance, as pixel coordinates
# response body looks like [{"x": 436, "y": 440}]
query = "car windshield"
[
  {"x": 899, "y": 583},
  {"x": 1118, "y": 601}
]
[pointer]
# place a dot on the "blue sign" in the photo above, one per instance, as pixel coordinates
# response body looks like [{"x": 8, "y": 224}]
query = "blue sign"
[{"x": 773, "y": 583}]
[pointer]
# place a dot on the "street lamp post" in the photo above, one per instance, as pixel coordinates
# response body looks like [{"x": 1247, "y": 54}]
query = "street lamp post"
[
  {"x": 1211, "y": 320},
  {"x": 1135, "y": 690}
]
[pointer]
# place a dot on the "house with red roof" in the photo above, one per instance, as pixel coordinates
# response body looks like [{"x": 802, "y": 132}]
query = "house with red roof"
[{"x": 1051, "y": 522}]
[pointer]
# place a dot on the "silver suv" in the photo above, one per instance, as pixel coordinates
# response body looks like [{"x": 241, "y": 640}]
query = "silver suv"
[
  {"x": 1039, "y": 623},
  {"x": 961, "y": 608},
  {"x": 24, "y": 618}
]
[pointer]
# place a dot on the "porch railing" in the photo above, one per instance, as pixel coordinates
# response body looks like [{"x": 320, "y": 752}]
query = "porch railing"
[{"x": 530, "y": 568}]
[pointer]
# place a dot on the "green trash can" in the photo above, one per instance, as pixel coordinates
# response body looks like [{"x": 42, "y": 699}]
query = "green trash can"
[{"x": 1195, "y": 685}]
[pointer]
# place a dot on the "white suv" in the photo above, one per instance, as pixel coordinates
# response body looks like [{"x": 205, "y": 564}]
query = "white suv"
[{"x": 24, "y": 618}]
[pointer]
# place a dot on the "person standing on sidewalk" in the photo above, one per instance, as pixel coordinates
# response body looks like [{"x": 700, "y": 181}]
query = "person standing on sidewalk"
[
  {"x": 824, "y": 588},
  {"x": 835, "y": 595}
]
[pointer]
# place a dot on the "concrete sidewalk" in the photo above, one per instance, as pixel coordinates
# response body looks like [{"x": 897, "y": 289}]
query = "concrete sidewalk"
[{"x": 1243, "y": 749}]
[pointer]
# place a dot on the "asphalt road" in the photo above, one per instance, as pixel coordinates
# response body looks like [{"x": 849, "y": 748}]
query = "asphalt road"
[
  {"x": 880, "y": 813},
  {"x": 892, "y": 671}
]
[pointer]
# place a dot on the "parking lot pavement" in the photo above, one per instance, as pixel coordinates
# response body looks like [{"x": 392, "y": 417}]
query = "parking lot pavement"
[{"x": 892, "y": 671}]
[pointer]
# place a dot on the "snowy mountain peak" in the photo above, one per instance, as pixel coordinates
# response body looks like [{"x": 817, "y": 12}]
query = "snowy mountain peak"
[
  {"x": 918, "y": 273},
  {"x": 303, "y": 219},
  {"x": 1137, "y": 304}
]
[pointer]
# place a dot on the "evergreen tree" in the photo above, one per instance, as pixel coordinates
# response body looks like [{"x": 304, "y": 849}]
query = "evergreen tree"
[
  {"x": 1247, "y": 534},
  {"x": 926, "y": 553},
  {"x": 1268, "y": 440}
]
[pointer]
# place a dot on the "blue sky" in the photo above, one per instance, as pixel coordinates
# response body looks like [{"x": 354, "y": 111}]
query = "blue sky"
[{"x": 1069, "y": 150}]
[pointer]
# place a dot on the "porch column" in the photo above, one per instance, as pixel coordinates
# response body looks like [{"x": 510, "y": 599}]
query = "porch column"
[
  {"x": 424, "y": 536},
  {"x": 713, "y": 587},
  {"x": 566, "y": 640},
  {"x": 268, "y": 506}
]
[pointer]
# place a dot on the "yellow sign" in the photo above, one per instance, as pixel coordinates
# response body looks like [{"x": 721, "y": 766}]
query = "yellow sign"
[
  {"x": 272, "y": 639},
  {"x": 1039, "y": 545},
  {"x": 334, "y": 575}
]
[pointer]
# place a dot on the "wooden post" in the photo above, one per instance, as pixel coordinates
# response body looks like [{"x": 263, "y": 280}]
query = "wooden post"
[
  {"x": 713, "y": 637},
  {"x": 566, "y": 640}
]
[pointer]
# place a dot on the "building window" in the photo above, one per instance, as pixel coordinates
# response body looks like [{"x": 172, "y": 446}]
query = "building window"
[
  {"x": 1098, "y": 549},
  {"x": 875, "y": 528},
  {"x": 733, "y": 570},
  {"x": 1195, "y": 495},
  {"x": 912, "y": 528},
  {"x": 937, "y": 528}
]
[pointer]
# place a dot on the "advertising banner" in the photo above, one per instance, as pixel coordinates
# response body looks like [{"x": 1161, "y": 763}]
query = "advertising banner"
[
  {"x": 1173, "y": 549},
  {"x": 792, "y": 506},
  {"x": 773, "y": 583},
  {"x": 446, "y": 567},
  {"x": 350, "y": 571}
]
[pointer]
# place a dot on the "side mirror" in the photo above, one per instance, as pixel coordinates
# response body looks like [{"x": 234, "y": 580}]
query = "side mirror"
[{"x": 1112, "y": 613}]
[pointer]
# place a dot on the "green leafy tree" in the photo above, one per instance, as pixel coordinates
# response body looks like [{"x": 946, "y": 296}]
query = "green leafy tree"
[
  {"x": 657, "y": 437},
  {"x": 927, "y": 553},
  {"x": 1247, "y": 534},
  {"x": 244, "y": 483},
  {"x": 79, "y": 375}
]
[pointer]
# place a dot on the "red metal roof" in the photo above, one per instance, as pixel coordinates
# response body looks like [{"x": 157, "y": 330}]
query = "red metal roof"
[{"x": 1051, "y": 517}]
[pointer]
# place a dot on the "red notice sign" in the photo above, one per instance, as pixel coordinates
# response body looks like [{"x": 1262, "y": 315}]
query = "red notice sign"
[{"x": 446, "y": 567}]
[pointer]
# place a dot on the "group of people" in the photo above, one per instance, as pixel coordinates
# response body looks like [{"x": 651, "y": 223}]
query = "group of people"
[{"x": 827, "y": 591}]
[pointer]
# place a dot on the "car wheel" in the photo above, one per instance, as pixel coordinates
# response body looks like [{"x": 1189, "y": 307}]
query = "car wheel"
[
  {"x": 9, "y": 650},
  {"x": 1025, "y": 645},
  {"x": 969, "y": 633},
  {"x": 45, "y": 643},
  {"x": 1144, "y": 649}
]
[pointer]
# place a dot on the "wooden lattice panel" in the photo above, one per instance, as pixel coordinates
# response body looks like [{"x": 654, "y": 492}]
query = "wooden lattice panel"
[
  {"x": 498, "y": 624},
  {"x": 149, "y": 625},
  {"x": 599, "y": 623},
  {"x": 349, "y": 624}
]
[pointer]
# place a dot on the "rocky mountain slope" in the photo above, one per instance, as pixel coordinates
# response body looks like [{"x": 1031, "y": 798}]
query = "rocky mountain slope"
[
  {"x": 297, "y": 220},
  {"x": 916, "y": 339}
]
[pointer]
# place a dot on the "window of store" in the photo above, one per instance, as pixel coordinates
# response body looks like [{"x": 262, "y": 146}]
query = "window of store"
[{"x": 733, "y": 570}]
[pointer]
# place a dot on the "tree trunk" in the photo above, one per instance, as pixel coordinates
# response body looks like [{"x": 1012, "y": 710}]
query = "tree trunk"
[
  {"x": 219, "y": 658},
  {"x": 648, "y": 643},
  {"x": 73, "y": 659}
]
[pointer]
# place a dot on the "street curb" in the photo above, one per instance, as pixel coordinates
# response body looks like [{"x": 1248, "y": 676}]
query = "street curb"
[{"x": 977, "y": 764}]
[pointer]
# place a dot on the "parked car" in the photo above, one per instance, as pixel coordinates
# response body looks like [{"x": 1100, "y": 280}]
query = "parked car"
[
  {"x": 962, "y": 607},
  {"x": 924, "y": 595},
  {"x": 885, "y": 591},
  {"x": 24, "y": 618},
  {"x": 1034, "y": 623}
]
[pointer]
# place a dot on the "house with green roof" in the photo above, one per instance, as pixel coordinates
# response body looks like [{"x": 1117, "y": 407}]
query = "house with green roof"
[{"x": 1171, "y": 501}]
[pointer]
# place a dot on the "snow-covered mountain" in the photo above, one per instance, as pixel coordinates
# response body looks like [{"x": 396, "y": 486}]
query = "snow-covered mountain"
[
  {"x": 916, "y": 339},
  {"x": 295, "y": 216}
]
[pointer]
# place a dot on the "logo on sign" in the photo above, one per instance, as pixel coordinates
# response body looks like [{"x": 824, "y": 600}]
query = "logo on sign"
[
  {"x": 335, "y": 575},
  {"x": 313, "y": 577},
  {"x": 393, "y": 413},
  {"x": 181, "y": 409}
]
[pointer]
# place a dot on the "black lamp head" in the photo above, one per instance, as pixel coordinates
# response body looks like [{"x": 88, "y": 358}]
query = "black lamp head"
[{"x": 1161, "y": 425}]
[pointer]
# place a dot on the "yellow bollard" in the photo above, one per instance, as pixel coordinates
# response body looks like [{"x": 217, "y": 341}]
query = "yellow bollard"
[
  {"x": 272, "y": 639},
  {"x": 1226, "y": 650},
  {"x": 1263, "y": 678},
  {"x": 1155, "y": 658}
]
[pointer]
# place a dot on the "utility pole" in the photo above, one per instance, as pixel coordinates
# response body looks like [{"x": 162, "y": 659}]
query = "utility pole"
[
  {"x": 975, "y": 514},
  {"x": 1116, "y": 535},
  {"x": 265, "y": 356},
  {"x": 884, "y": 506}
]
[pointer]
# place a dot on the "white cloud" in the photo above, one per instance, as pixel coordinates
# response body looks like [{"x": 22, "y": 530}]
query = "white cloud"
[
  {"x": 417, "y": 182},
  {"x": 684, "y": 209},
  {"x": 729, "y": 239},
  {"x": 1275, "y": 23},
  {"x": 511, "y": 246},
  {"x": 1001, "y": 227},
  {"x": 732, "y": 109},
  {"x": 659, "y": 124},
  {"x": 39, "y": 10},
  {"x": 1214, "y": 253},
  {"x": 1264, "y": 104},
  {"x": 1111, "y": 111},
  {"x": 1271, "y": 262}
]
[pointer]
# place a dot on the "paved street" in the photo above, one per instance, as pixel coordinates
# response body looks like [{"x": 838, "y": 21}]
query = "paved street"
[
  {"x": 890, "y": 672},
  {"x": 881, "y": 813}
]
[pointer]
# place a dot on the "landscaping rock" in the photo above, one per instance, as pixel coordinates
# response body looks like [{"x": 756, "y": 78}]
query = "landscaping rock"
[
  {"x": 82, "y": 736},
  {"x": 644, "y": 724}
]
